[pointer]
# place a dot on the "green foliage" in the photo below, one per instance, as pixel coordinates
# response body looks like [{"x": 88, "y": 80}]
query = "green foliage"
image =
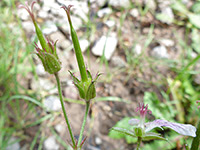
[
  {"x": 184, "y": 12},
  {"x": 180, "y": 7},
  {"x": 161, "y": 110},
  {"x": 171, "y": 137},
  {"x": 124, "y": 125},
  {"x": 124, "y": 131},
  {"x": 164, "y": 18},
  {"x": 194, "y": 19},
  {"x": 152, "y": 136},
  {"x": 196, "y": 7},
  {"x": 195, "y": 36}
]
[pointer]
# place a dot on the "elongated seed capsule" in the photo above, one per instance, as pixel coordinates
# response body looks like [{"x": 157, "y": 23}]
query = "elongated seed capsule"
[
  {"x": 41, "y": 37},
  {"x": 77, "y": 48}
]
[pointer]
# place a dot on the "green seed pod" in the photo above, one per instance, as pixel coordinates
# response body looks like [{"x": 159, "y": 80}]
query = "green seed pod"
[
  {"x": 86, "y": 86},
  {"x": 77, "y": 48},
  {"x": 41, "y": 37},
  {"x": 50, "y": 62},
  {"x": 48, "y": 53},
  {"x": 87, "y": 90},
  {"x": 91, "y": 91}
]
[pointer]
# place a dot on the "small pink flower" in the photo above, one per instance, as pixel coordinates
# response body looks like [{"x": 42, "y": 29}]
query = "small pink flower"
[
  {"x": 198, "y": 102},
  {"x": 184, "y": 129}
]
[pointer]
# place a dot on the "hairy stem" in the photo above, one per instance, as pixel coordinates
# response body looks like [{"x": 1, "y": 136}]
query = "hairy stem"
[
  {"x": 84, "y": 122},
  {"x": 138, "y": 143},
  {"x": 63, "y": 109},
  {"x": 196, "y": 140}
]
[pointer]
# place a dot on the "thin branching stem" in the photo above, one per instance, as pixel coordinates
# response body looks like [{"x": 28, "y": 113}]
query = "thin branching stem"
[
  {"x": 196, "y": 140},
  {"x": 84, "y": 122},
  {"x": 63, "y": 109}
]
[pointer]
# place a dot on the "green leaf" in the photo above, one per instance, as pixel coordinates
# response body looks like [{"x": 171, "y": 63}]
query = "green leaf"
[
  {"x": 27, "y": 98},
  {"x": 194, "y": 19},
  {"x": 164, "y": 18},
  {"x": 195, "y": 40},
  {"x": 124, "y": 131},
  {"x": 196, "y": 7},
  {"x": 159, "y": 109},
  {"x": 152, "y": 136},
  {"x": 111, "y": 98},
  {"x": 178, "y": 6},
  {"x": 163, "y": 145},
  {"x": 124, "y": 125}
]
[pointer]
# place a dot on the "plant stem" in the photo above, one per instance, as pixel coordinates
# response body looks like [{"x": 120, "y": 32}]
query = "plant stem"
[
  {"x": 84, "y": 122},
  {"x": 196, "y": 140},
  {"x": 63, "y": 109},
  {"x": 138, "y": 143}
]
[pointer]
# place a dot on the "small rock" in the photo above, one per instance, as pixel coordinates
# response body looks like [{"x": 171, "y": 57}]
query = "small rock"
[
  {"x": 106, "y": 45},
  {"x": 138, "y": 49},
  {"x": 100, "y": 3},
  {"x": 151, "y": 4},
  {"x": 23, "y": 14},
  {"x": 168, "y": 11},
  {"x": 12, "y": 144},
  {"x": 98, "y": 141},
  {"x": 62, "y": 42},
  {"x": 50, "y": 27},
  {"x": 110, "y": 23},
  {"x": 160, "y": 52},
  {"x": 81, "y": 14},
  {"x": 103, "y": 12},
  {"x": 59, "y": 128},
  {"x": 193, "y": 54},
  {"x": 77, "y": 22},
  {"x": 52, "y": 103},
  {"x": 120, "y": 3},
  {"x": 65, "y": 44},
  {"x": 40, "y": 70},
  {"x": 84, "y": 44},
  {"x": 57, "y": 36},
  {"x": 28, "y": 26},
  {"x": 37, "y": 7},
  {"x": 92, "y": 1},
  {"x": 49, "y": 3},
  {"x": 167, "y": 42},
  {"x": 185, "y": 1},
  {"x": 118, "y": 62},
  {"x": 51, "y": 144},
  {"x": 43, "y": 84},
  {"x": 71, "y": 91},
  {"x": 42, "y": 14},
  {"x": 167, "y": 15},
  {"x": 134, "y": 12},
  {"x": 162, "y": 4}
]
